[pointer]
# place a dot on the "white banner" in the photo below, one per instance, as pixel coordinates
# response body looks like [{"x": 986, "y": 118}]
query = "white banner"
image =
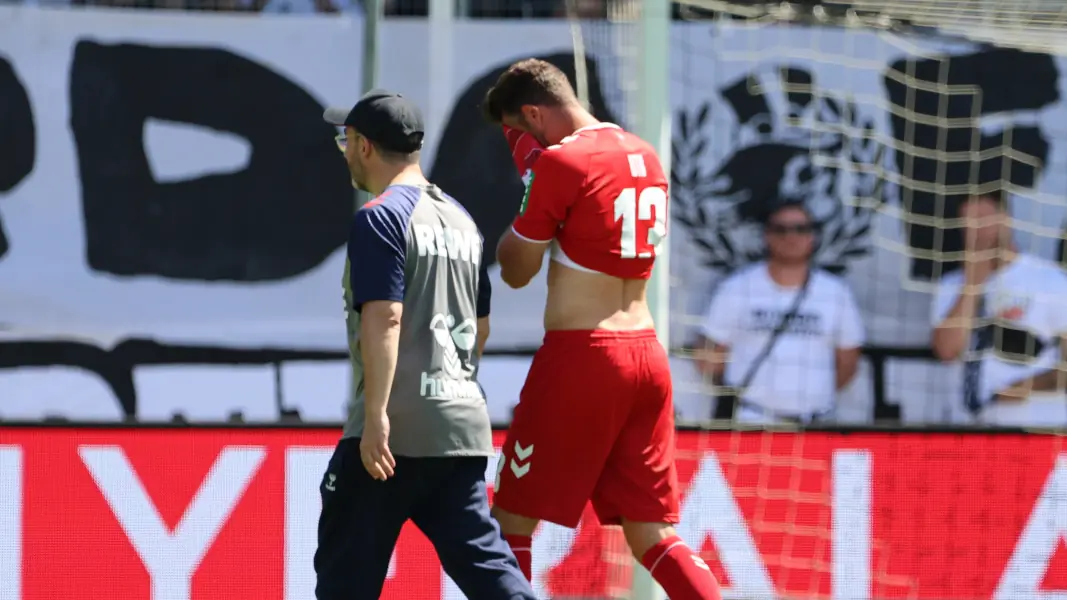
[{"x": 168, "y": 177}]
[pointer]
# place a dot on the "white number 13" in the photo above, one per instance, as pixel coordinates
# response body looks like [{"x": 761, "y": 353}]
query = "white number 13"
[{"x": 651, "y": 209}]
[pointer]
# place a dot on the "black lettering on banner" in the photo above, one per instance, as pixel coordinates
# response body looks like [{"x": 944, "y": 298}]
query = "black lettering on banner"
[
  {"x": 110, "y": 366},
  {"x": 278, "y": 218},
  {"x": 749, "y": 102},
  {"x": 1006, "y": 81},
  {"x": 473, "y": 163},
  {"x": 17, "y": 136}
]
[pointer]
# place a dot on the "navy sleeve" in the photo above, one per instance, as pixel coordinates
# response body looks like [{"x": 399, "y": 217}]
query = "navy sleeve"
[
  {"x": 377, "y": 248},
  {"x": 485, "y": 291}
]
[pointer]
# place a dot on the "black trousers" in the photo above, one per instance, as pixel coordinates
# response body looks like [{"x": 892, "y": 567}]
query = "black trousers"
[{"x": 445, "y": 498}]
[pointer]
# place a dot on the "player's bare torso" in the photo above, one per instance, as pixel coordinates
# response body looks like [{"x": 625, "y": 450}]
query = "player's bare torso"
[
  {"x": 604, "y": 250},
  {"x": 578, "y": 300}
]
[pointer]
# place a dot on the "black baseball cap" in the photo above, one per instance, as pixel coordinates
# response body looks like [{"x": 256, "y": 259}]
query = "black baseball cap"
[{"x": 386, "y": 118}]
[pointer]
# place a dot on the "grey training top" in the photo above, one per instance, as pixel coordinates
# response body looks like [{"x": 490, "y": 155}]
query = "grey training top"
[{"x": 418, "y": 246}]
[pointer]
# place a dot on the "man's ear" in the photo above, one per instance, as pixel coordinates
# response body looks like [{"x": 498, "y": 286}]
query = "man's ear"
[
  {"x": 530, "y": 115},
  {"x": 366, "y": 148}
]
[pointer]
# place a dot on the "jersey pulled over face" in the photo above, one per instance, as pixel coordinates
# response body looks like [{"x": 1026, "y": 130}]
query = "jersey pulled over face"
[{"x": 601, "y": 194}]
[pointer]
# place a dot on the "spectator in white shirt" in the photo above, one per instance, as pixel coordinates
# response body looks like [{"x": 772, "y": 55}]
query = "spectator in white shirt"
[
  {"x": 817, "y": 350},
  {"x": 1004, "y": 316}
]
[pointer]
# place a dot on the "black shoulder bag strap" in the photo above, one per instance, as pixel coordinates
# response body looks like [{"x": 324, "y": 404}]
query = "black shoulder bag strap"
[{"x": 775, "y": 334}]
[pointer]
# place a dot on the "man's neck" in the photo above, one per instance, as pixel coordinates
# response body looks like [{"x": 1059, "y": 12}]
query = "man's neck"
[
  {"x": 406, "y": 175},
  {"x": 578, "y": 117},
  {"x": 787, "y": 274}
]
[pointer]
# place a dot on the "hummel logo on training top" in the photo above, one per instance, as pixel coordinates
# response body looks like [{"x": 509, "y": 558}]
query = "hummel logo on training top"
[
  {"x": 520, "y": 466},
  {"x": 456, "y": 348},
  {"x": 331, "y": 480}
]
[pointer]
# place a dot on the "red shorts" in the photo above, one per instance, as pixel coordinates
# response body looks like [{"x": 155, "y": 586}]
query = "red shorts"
[{"x": 595, "y": 421}]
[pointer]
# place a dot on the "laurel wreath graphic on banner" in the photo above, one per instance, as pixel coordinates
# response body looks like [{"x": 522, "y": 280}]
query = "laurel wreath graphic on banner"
[{"x": 730, "y": 238}]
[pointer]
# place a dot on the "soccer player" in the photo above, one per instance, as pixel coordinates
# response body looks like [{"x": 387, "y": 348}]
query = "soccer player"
[
  {"x": 595, "y": 418},
  {"x": 418, "y": 437}
]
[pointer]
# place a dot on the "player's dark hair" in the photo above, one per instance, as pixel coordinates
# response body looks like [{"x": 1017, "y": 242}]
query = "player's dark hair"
[{"x": 531, "y": 81}]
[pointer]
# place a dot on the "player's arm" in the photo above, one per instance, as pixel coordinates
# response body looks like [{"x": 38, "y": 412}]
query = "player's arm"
[
  {"x": 485, "y": 293},
  {"x": 376, "y": 251},
  {"x": 553, "y": 186},
  {"x": 848, "y": 340}
]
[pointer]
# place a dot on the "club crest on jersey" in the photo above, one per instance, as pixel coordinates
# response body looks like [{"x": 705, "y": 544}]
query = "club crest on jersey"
[
  {"x": 794, "y": 143},
  {"x": 527, "y": 180}
]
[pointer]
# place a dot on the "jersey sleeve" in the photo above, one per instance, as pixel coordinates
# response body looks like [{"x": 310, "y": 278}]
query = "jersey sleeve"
[
  {"x": 1059, "y": 315},
  {"x": 945, "y": 295},
  {"x": 552, "y": 188},
  {"x": 850, "y": 333},
  {"x": 723, "y": 314},
  {"x": 377, "y": 249},
  {"x": 485, "y": 290}
]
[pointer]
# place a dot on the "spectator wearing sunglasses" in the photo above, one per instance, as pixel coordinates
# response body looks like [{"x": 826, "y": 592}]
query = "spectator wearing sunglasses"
[{"x": 781, "y": 337}]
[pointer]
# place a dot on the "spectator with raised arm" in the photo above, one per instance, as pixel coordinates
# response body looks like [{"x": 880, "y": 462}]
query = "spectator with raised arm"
[{"x": 1004, "y": 317}]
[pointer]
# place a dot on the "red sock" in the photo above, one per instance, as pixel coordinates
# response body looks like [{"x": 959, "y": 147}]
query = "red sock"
[
  {"x": 680, "y": 572},
  {"x": 521, "y": 547}
]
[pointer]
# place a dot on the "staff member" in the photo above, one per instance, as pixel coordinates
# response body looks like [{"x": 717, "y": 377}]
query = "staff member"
[{"x": 417, "y": 441}]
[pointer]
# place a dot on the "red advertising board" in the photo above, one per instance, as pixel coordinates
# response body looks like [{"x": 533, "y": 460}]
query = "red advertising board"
[{"x": 230, "y": 514}]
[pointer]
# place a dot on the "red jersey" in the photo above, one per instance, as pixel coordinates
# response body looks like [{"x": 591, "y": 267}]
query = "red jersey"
[{"x": 601, "y": 194}]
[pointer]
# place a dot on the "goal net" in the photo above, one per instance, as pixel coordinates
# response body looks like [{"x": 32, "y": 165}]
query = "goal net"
[{"x": 882, "y": 117}]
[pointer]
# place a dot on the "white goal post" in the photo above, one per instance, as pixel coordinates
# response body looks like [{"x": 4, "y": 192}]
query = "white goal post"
[{"x": 653, "y": 123}]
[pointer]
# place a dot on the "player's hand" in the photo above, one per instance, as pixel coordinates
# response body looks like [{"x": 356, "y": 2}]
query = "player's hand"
[
  {"x": 976, "y": 270},
  {"x": 978, "y": 262},
  {"x": 524, "y": 149},
  {"x": 374, "y": 447}
]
